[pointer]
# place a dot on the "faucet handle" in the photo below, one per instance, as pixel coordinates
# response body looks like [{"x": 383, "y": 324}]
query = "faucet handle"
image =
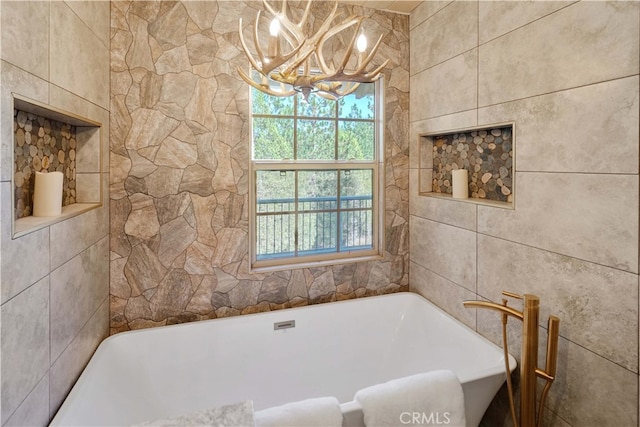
[{"x": 512, "y": 295}]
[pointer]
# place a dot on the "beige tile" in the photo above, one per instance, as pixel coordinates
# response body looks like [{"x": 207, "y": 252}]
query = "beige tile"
[
  {"x": 19, "y": 19},
  {"x": 68, "y": 367},
  {"x": 34, "y": 410},
  {"x": 69, "y": 101},
  {"x": 13, "y": 79},
  {"x": 77, "y": 289},
  {"x": 88, "y": 188},
  {"x": 70, "y": 237},
  {"x": 25, "y": 260},
  {"x": 585, "y": 296},
  {"x": 79, "y": 61},
  {"x": 25, "y": 344},
  {"x": 590, "y": 390},
  {"x": 454, "y": 30},
  {"x": 579, "y": 130},
  {"x": 500, "y": 17},
  {"x": 425, "y": 152},
  {"x": 590, "y": 217},
  {"x": 414, "y": 150},
  {"x": 452, "y": 212},
  {"x": 445, "y": 89},
  {"x": 584, "y": 43},
  {"x": 424, "y": 11},
  {"x": 87, "y": 154},
  {"x": 406, "y": 6},
  {"x": 443, "y": 124},
  {"x": 446, "y": 250},
  {"x": 105, "y": 193},
  {"x": 96, "y": 16},
  {"x": 443, "y": 293},
  {"x": 425, "y": 185},
  {"x": 88, "y": 149}
]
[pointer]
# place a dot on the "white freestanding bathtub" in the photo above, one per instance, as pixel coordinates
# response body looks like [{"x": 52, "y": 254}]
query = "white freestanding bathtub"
[{"x": 334, "y": 349}]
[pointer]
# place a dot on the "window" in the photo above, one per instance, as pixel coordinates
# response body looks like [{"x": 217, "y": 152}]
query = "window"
[{"x": 315, "y": 170}]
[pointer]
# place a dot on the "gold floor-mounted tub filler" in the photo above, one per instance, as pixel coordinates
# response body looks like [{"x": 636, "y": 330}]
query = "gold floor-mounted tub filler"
[{"x": 529, "y": 370}]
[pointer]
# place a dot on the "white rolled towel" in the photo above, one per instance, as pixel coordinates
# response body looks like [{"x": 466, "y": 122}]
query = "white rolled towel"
[
  {"x": 317, "y": 412},
  {"x": 431, "y": 398}
]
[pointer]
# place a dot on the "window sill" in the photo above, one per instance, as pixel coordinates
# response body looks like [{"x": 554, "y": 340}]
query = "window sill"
[{"x": 314, "y": 264}]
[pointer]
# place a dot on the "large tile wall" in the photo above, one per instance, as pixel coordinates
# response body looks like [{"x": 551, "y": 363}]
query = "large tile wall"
[
  {"x": 567, "y": 74},
  {"x": 54, "y": 282},
  {"x": 180, "y": 151}
]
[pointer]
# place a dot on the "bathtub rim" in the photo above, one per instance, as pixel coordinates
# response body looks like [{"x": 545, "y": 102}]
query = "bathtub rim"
[
  {"x": 347, "y": 406},
  {"x": 246, "y": 317}
]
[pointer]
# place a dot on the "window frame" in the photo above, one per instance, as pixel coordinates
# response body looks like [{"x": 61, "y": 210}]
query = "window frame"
[{"x": 376, "y": 165}]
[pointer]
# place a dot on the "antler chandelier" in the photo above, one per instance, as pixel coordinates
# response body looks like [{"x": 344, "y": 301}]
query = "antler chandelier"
[{"x": 302, "y": 67}]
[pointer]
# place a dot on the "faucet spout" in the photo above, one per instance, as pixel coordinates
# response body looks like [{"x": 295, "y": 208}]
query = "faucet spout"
[{"x": 493, "y": 306}]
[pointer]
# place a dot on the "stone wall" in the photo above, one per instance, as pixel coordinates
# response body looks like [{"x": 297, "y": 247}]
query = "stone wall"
[
  {"x": 567, "y": 74},
  {"x": 180, "y": 151}
]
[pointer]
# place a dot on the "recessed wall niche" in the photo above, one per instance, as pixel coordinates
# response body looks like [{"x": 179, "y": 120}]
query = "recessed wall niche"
[
  {"x": 487, "y": 153},
  {"x": 49, "y": 139},
  {"x": 42, "y": 145}
]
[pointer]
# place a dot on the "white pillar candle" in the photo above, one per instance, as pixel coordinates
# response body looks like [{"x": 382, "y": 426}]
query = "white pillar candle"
[
  {"x": 47, "y": 194},
  {"x": 460, "y": 184}
]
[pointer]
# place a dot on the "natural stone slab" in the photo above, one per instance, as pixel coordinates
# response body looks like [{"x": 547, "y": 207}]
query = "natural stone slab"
[
  {"x": 173, "y": 295},
  {"x": 197, "y": 179},
  {"x": 143, "y": 269},
  {"x": 148, "y": 127}
]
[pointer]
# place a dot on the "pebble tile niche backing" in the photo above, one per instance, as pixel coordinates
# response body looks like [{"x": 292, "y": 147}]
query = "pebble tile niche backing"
[
  {"x": 486, "y": 154},
  {"x": 42, "y": 144}
]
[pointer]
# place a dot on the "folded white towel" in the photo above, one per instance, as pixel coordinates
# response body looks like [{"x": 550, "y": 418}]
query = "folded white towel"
[
  {"x": 431, "y": 398},
  {"x": 318, "y": 412}
]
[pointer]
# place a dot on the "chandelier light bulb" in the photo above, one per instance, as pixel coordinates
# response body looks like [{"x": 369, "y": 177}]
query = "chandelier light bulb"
[
  {"x": 274, "y": 27},
  {"x": 361, "y": 43}
]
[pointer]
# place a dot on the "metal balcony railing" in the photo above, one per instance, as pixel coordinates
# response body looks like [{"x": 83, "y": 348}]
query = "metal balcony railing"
[{"x": 316, "y": 225}]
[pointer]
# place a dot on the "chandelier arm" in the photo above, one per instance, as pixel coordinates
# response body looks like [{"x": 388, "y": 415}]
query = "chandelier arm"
[
  {"x": 333, "y": 92},
  {"x": 289, "y": 39},
  {"x": 347, "y": 55},
  {"x": 369, "y": 77},
  {"x": 348, "y": 89},
  {"x": 358, "y": 75},
  {"x": 349, "y": 22},
  {"x": 297, "y": 63},
  {"x": 325, "y": 27},
  {"x": 294, "y": 68},
  {"x": 281, "y": 59},
  {"x": 260, "y": 87},
  {"x": 305, "y": 16},
  {"x": 375, "y": 74},
  {"x": 259, "y": 50},
  {"x": 277, "y": 77},
  {"x": 253, "y": 62}
]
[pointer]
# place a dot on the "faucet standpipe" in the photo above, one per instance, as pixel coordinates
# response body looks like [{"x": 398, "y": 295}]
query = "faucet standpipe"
[{"x": 529, "y": 371}]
